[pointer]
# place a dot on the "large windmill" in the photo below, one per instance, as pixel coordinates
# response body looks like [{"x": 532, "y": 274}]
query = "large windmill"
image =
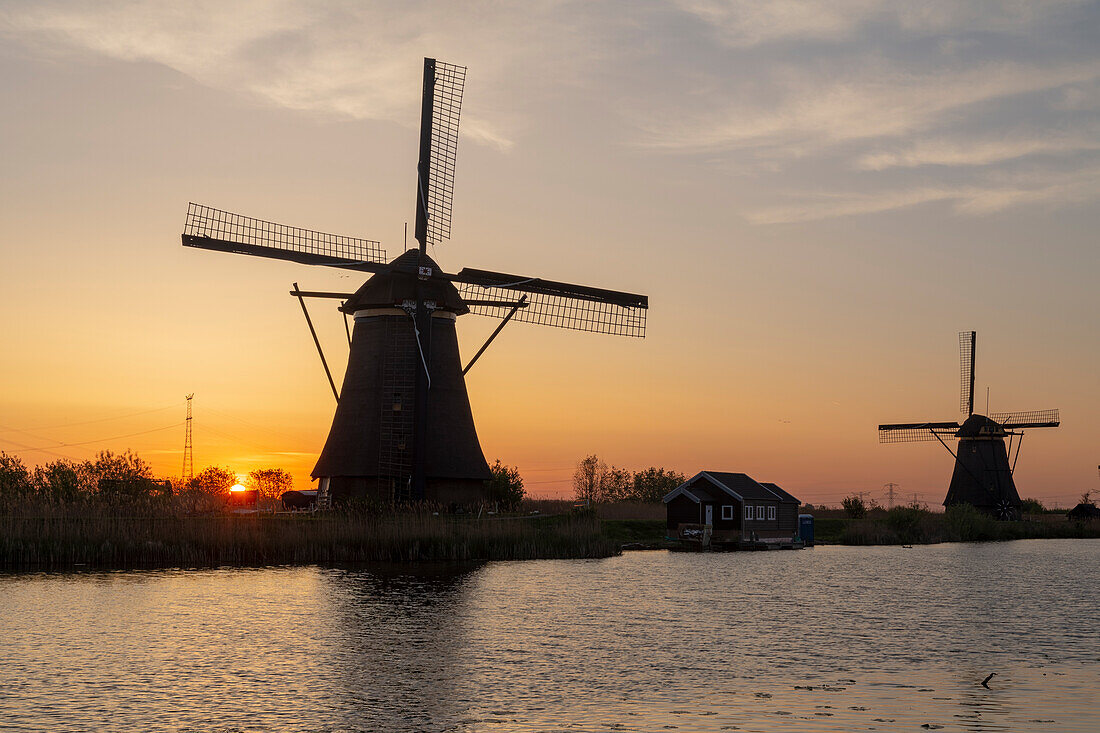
[
  {"x": 983, "y": 475},
  {"x": 403, "y": 428}
]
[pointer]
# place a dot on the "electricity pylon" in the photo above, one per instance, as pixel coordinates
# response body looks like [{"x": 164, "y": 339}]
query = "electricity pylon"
[{"x": 188, "y": 458}]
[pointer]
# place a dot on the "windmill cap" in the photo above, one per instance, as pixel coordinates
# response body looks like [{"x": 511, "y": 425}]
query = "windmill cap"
[
  {"x": 398, "y": 283},
  {"x": 979, "y": 425}
]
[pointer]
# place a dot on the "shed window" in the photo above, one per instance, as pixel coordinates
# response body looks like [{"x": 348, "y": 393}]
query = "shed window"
[
  {"x": 760, "y": 511},
  {"x": 771, "y": 512},
  {"x": 727, "y": 512},
  {"x": 748, "y": 511}
]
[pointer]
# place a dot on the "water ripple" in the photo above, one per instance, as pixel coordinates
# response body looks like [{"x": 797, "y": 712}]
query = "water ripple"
[{"x": 833, "y": 639}]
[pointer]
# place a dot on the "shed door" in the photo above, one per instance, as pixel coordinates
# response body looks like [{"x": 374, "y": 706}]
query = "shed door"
[{"x": 710, "y": 515}]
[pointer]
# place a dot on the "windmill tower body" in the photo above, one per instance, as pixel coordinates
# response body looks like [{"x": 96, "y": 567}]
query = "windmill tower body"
[
  {"x": 370, "y": 448},
  {"x": 983, "y": 474}
]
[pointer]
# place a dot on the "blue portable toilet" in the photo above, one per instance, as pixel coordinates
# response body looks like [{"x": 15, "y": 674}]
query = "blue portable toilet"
[{"x": 806, "y": 528}]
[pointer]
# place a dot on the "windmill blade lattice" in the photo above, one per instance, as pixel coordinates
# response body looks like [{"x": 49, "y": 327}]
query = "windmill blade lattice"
[
  {"x": 917, "y": 432},
  {"x": 967, "y": 342},
  {"x": 210, "y": 228},
  {"x": 446, "y": 109},
  {"x": 560, "y": 312},
  {"x": 550, "y": 303},
  {"x": 1028, "y": 419}
]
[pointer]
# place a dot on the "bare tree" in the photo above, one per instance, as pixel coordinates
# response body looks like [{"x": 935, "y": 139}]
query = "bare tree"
[{"x": 588, "y": 479}]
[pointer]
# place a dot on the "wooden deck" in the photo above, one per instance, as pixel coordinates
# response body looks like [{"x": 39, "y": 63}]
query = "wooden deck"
[
  {"x": 697, "y": 538},
  {"x": 759, "y": 545}
]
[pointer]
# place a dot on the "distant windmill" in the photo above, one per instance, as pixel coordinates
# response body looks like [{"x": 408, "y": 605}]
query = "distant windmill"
[
  {"x": 982, "y": 476},
  {"x": 403, "y": 427}
]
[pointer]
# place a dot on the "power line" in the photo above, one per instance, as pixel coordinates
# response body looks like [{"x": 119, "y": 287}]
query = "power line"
[
  {"x": 252, "y": 425},
  {"x": 26, "y": 447},
  {"x": 537, "y": 470},
  {"x": 86, "y": 422},
  {"x": 30, "y": 435},
  {"x": 247, "y": 443},
  {"x": 127, "y": 435}
]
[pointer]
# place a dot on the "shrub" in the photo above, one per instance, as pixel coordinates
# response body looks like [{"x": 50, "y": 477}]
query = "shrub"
[
  {"x": 964, "y": 523},
  {"x": 15, "y": 480},
  {"x": 63, "y": 480},
  {"x": 213, "y": 480},
  {"x": 903, "y": 519},
  {"x": 270, "y": 482},
  {"x": 1032, "y": 506},
  {"x": 653, "y": 483},
  {"x": 854, "y": 507},
  {"x": 506, "y": 486}
]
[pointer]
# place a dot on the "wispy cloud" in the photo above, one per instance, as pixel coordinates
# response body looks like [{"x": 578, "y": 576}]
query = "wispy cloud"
[
  {"x": 744, "y": 23},
  {"x": 752, "y": 23},
  {"x": 987, "y": 197},
  {"x": 867, "y": 90},
  {"x": 821, "y": 109},
  {"x": 949, "y": 152},
  {"x": 862, "y": 93},
  {"x": 344, "y": 59}
]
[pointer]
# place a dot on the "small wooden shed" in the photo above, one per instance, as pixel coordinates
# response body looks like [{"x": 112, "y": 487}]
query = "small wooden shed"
[
  {"x": 731, "y": 507},
  {"x": 1084, "y": 512}
]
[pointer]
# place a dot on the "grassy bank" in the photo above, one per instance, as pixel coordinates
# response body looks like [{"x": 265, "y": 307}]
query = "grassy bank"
[
  {"x": 66, "y": 536},
  {"x": 899, "y": 526},
  {"x": 635, "y": 531},
  {"x": 66, "y": 539},
  {"x": 909, "y": 526}
]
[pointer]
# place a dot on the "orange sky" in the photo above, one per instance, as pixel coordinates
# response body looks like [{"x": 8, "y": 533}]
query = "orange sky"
[{"x": 812, "y": 230}]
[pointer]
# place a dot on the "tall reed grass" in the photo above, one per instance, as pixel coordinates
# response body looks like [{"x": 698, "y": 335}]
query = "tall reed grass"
[
  {"x": 64, "y": 537},
  {"x": 632, "y": 510},
  {"x": 626, "y": 510}
]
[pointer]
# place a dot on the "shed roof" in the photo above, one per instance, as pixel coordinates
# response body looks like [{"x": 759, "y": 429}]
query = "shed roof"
[
  {"x": 1084, "y": 511},
  {"x": 710, "y": 485},
  {"x": 706, "y": 493},
  {"x": 740, "y": 484},
  {"x": 782, "y": 493}
]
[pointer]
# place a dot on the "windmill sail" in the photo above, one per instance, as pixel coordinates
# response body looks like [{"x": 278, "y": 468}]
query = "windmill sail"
[
  {"x": 210, "y": 228},
  {"x": 917, "y": 432},
  {"x": 440, "y": 112},
  {"x": 1030, "y": 419},
  {"x": 551, "y": 303},
  {"x": 967, "y": 342}
]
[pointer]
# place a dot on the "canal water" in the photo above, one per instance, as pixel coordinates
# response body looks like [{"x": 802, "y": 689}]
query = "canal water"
[{"x": 829, "y": 639}]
